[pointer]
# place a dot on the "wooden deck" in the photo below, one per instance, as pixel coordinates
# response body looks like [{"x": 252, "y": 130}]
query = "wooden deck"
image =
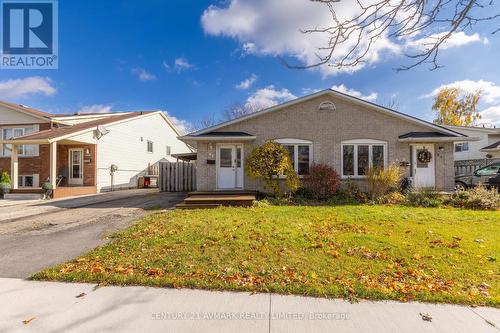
[{"x": 204, "y": 200}]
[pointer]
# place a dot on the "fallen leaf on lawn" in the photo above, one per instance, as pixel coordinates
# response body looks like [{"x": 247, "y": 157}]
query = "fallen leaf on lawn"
[
  {"x": 80, "y": 295},
  {"x": 27, "y": 321},
  {"x": 479, "y": 240},
  {"x": 426, "y": 316},
  {"x": 490, "y": 258},
  {"x": 457, "y": 238}
]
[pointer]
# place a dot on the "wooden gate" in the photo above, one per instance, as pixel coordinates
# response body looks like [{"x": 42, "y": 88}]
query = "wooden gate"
[{"x": 177, "y": 177}]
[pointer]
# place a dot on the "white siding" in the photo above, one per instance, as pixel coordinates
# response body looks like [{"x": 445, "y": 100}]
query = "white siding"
[
  {"x": 12, "y": 117},
  {"x": 474, "y": 146},
  {"x": 78, "y": 119},
  {"x": 123, "y": 147}
]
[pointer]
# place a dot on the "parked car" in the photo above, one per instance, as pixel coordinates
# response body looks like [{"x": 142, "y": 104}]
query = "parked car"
[{"x": 488, "y": 175}]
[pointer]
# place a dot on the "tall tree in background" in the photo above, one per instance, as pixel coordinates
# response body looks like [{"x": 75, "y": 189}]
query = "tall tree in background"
[{"x": 456, "y": 108}]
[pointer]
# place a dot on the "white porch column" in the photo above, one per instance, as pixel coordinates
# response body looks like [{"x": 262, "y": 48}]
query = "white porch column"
[
  {"x": 14, "y": 168},
  {"x": 53, "y": 164}
]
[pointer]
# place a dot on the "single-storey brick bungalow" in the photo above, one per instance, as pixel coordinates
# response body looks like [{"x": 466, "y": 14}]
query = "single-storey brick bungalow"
[{"x": 328, "y": 127}]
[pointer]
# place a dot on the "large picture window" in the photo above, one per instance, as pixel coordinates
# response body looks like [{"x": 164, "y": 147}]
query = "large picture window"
[
  {"x": 300, "y": 152},
  {"x": 360, "y": 155}
]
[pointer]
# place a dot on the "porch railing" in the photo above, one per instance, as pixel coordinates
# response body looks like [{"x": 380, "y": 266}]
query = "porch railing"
[{"x": 177, "y": 177}]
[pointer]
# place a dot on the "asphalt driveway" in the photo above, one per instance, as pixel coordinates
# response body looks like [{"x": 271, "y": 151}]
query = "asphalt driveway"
[{"x": 40, "y": 235}]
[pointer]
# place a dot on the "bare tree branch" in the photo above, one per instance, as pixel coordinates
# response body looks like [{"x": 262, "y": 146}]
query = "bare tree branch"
[{"x": 350, "y": 40}]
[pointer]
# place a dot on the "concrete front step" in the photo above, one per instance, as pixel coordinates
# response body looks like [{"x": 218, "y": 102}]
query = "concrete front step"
[
  {"x": 196, "y": 206},
  {"x": 23, "y": 196},
  {"x": 197, "y": 200},
  {"x": 217, "y": 193}
]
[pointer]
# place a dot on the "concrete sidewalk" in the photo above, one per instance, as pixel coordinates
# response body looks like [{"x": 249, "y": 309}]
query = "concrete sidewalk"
[{"x": 55, "y": 307}]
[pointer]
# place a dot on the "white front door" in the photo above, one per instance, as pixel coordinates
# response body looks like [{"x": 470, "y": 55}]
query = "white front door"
[
  {"x": 75, "y": 167},
  {"x": 423, "y": 171},
  {"x": 229, "y": 166}
]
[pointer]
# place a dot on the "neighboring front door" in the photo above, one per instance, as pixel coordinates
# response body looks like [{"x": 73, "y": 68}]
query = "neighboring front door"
[
  {"x": 75, "y": 167},
  {"x": 229, "y": 167},
  {"x": 423, "y": 171}
]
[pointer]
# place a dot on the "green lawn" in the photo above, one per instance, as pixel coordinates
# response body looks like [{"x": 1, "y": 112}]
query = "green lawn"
[{"x": 373, "y": 252}]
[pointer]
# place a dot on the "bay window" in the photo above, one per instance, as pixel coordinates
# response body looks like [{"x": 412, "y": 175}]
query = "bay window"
[
  {"x": 300, "y": 152},
  {"x": 359, "y": 155}
]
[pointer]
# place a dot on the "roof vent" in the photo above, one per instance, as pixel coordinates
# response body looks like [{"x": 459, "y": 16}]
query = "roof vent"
[{"x": 327, "y": 106}]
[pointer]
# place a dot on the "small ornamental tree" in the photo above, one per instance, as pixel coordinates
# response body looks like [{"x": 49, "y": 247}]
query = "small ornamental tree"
[
  {"x": 322, "y": 182},
  {"x": 269, "y": 161},
  {"x": 5, "y": 178}
]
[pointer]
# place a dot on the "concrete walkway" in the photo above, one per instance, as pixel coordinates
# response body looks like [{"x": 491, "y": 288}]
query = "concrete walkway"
[{"x": 55, "y": 307}]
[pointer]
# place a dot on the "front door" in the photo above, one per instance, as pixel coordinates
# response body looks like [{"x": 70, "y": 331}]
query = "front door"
[
  {"x": 423, "y": 166},
  {"x": 75, "y": 167},
  {"x": 229, "y": 167}
]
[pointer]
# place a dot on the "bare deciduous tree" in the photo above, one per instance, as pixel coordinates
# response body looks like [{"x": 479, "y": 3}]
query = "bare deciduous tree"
[
  {"x": 238, "y": 110},
  {"x": 207, "y": 121},
  {"x": 350, "y": 40}
]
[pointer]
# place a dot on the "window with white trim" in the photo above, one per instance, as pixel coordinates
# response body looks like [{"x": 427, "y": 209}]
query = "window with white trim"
[
  {"x": 168, "y": 151},
  {"x": 26, "y": 180},
  {"x": 300, "y": 152},
  {"x": 360, "y": 155},
  {"x": 150, "y": 146},
  {"x": 461, "y": 147},
  {"x": 15, "y": 132}
]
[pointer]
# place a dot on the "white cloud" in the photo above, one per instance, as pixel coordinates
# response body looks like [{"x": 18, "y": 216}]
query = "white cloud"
[
  {"x": 95, "y": 108},
  {"x": 343, "y": 89},
  {"x": 247, "y": 83},
  {"x": 267, "y": 97},
  {"x": 490, "y": 90},
  {"x": 143, "y": 75},
  {"x": 182, "y": 64},
  {"x": 271, "y": 27},
  {"x": 491, "y": 115},
  {"x": 455, "y": 40},
  {"x": 19, "y": 88},
  {"x": 183, "y": 126}
]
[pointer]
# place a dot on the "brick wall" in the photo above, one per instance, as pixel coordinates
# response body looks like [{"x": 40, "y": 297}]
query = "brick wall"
[
  {"x": 89, "y": 170},
  {"x": 41, "y": 164},
  {"x": 327, "y": 129}
]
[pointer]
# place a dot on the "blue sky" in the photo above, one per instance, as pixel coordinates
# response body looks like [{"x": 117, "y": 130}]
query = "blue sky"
[{"x": 191, "y": 59}]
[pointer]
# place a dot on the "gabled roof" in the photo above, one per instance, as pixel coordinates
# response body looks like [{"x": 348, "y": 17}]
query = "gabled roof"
[
  {"x": 493, "y": 146},
  {"x": 224, "y": 134},
  {"x": 64, "y": 132},
  {"x": 337, "y": 94},
  {"x": 424, "y": 135},
  {"x": 27, "y": 110},
  {"x": 489, "y": 130}
]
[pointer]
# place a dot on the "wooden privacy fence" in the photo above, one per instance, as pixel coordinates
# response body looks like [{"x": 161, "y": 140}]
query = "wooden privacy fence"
[
  {"x": 467, "y": 167},
  {"x": 177, "y": 177}
]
